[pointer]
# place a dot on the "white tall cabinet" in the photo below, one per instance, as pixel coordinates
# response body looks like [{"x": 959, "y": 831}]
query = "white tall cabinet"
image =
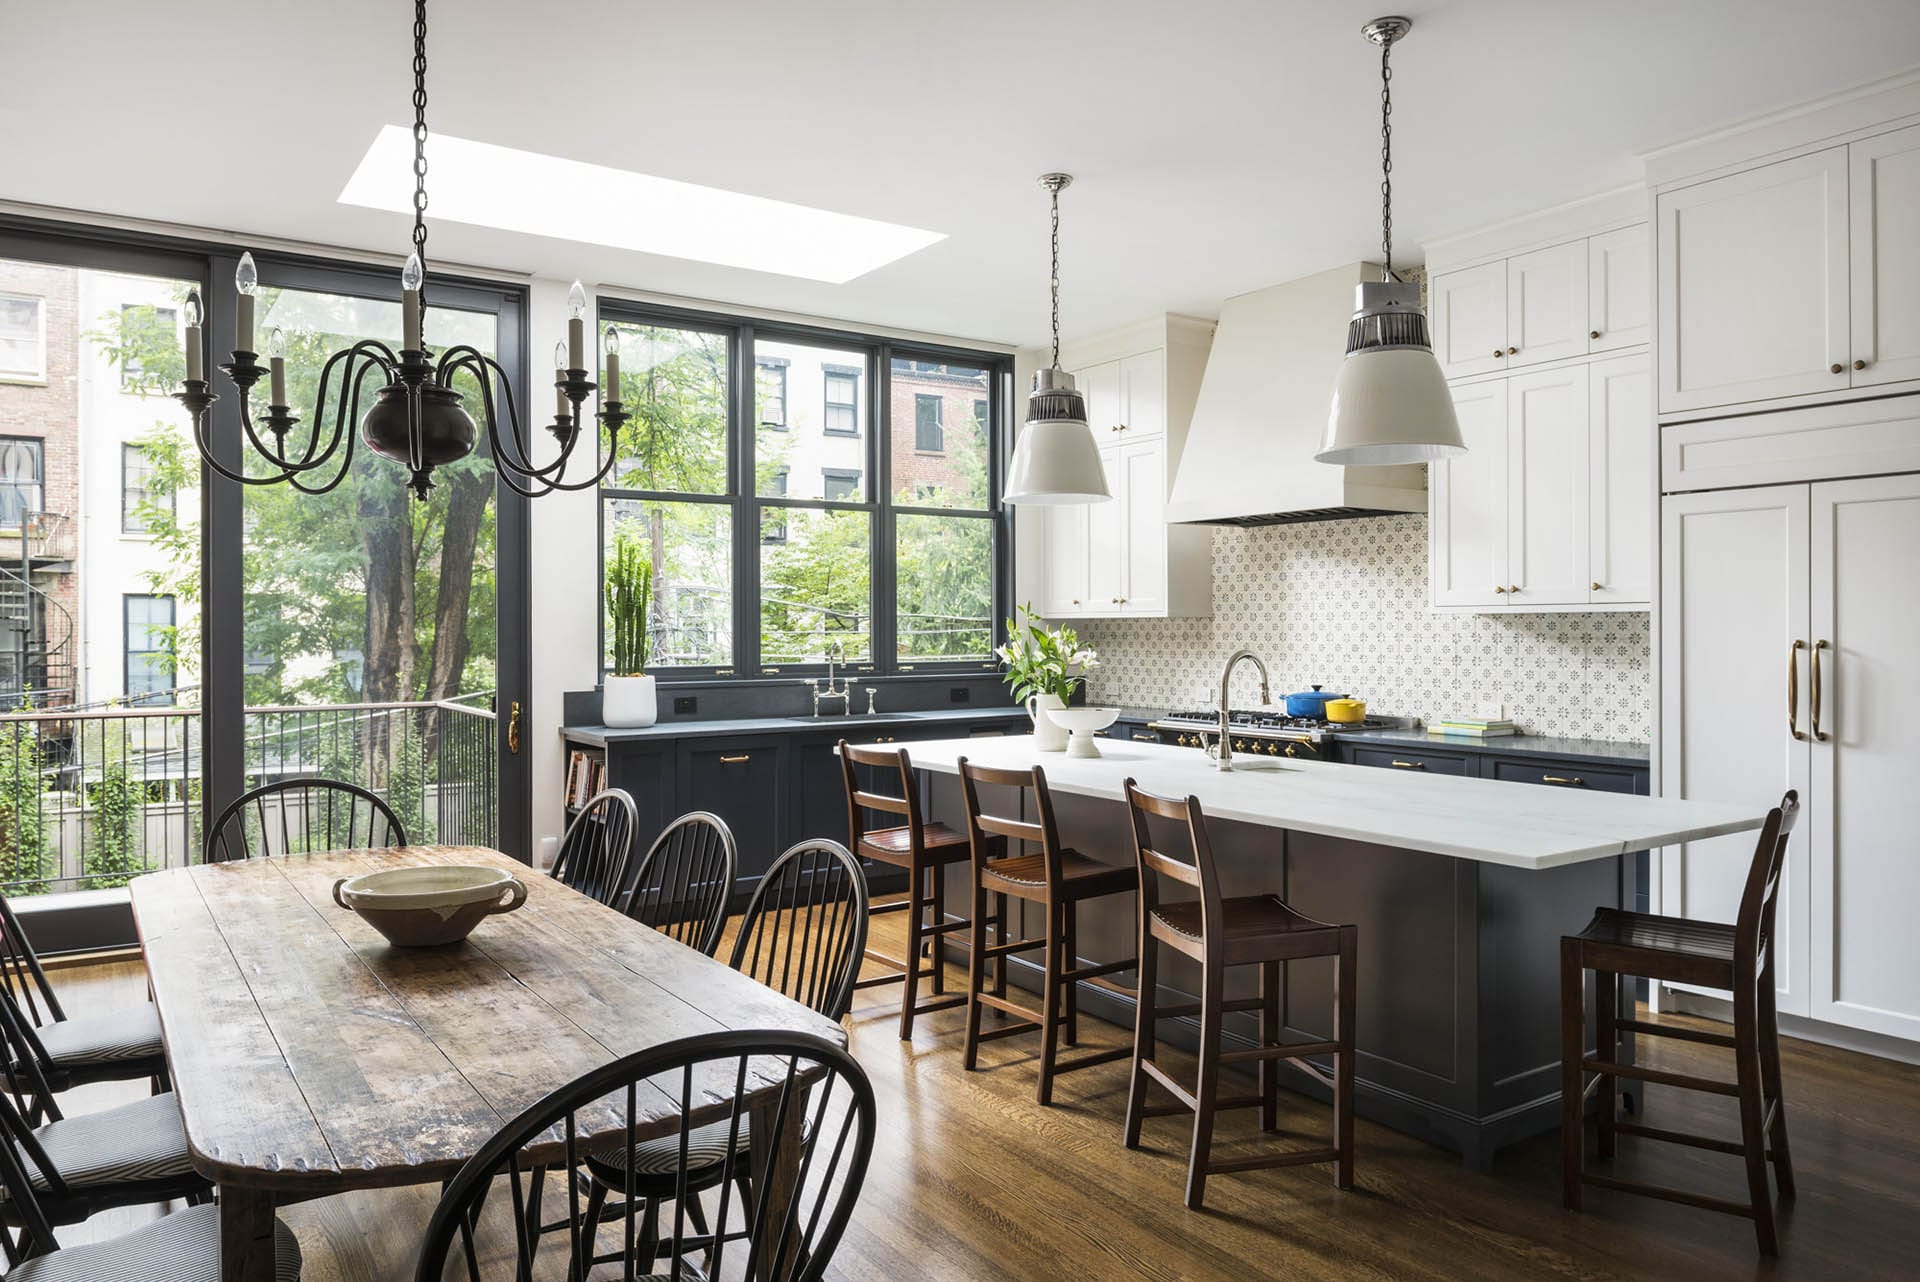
[
  {"x": 1542, "y": 327},
  {"x": 1787, "y": 342},
  {"x": 1120, "y": 559}
]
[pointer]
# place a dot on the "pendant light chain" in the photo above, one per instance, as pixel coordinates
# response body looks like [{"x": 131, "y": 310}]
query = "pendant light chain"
[
  {"x": 420, "y": 130},
  {"x": 1054, "y": 279},
  {"x": 1386, "y": 155}
]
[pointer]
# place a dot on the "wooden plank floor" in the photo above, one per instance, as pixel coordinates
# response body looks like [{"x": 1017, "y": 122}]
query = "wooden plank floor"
[{"x": 971, "y": 1179}]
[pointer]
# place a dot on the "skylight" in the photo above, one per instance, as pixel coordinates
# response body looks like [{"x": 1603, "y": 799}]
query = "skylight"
[{"x": 524, "y": 191}]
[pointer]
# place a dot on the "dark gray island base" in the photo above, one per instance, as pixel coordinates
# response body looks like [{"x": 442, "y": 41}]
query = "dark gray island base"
[{"x": 1458, "y": 966}]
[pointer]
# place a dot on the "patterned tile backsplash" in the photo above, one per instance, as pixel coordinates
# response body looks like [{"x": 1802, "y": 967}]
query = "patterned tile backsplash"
[{"x": 1344, "y": 604}]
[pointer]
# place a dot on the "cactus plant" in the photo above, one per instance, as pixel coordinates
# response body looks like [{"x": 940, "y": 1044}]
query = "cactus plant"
[{"x": 629, "y": 598}]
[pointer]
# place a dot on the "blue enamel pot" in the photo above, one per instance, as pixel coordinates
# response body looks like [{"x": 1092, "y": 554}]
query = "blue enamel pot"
[{"x": 1311, "y": 703}]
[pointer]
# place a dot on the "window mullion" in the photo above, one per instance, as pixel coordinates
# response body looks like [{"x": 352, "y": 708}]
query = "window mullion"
[{"x": 746, "y": 524}]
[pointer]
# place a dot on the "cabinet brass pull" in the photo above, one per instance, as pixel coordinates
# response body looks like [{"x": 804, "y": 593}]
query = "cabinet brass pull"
[
  {"x": 1513, "y": 589},
  {"x": 1145, "y": 738},
  {"x": 1497, "y": 588},
  {"x": 1594, "y": 334},
  {"x": 735, "y": 760},
  {"x": 1565, "y": 781},
  {"x": 1497, "y": 353},
  {"x": 513, "y": 729},
  {"x": 1513, "y": 351},
  {"x": 1859, "y": 364},
  {"x": 1596, "y": 587},
  {"x": 1818, "y": 733},
  {"x": 1409, "y": 765},
  {"x": 1837, "y": 368},
  {"x": 1793, "y": 689}
]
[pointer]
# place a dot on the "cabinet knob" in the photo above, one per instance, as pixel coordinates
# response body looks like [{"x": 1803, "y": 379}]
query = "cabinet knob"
[
  {"x": 1497, "y": 353},
  {"x": 1596, "y": 587},
  {"x": 1837, "y": 368},
  {"x": 1513, "y": 351},
  {"x": 1859, "y": 364},
  {"x": 1594, "y": 334},
  {"x": 1497, "y": 588},
  {"x": 1513, "y": 588}
]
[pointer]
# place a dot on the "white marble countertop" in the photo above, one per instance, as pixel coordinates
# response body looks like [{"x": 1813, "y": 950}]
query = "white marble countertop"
[{"x": 1520, "y": 825}]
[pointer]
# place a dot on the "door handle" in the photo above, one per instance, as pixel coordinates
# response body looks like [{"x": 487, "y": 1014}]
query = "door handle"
[
  {"x": 1409, "y": 765},
  {"x": 1564, "y": 781},
  {"x": 1793, "y": 689},
  {"x": 1818, "y": 733},
  {"x": 513, "y": 728},
  {"x": 735, "y": 760}
]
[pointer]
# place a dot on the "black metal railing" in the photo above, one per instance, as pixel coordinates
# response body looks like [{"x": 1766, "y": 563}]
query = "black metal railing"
[{"x": 91, "y": 799}]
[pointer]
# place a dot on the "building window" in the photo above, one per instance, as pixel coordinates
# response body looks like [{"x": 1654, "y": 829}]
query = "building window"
[
  {"x": 843, "y": 400},
  {"x": 774, "y": 528},
  {"x": 137, "y": 489},
  {"x": 840, "y": 483},
  {"x": 139, "y": 324},
  {"x": 23, "y": 338},
  {"x": 149, "y": 666},
  {"x": 927, "y": 435},
  {"x": 980, "y": 412},
  {"x": 21, "y": 478},
  {"x": 771, "y": 373}
]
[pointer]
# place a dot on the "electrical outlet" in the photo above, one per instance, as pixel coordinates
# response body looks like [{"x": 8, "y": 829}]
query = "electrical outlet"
[
  {"x": 959, "y": 694},
  {"x": 685, "y": 705}
]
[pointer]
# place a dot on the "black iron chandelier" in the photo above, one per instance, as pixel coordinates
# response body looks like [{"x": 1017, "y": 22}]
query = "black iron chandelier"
[{"x": 416, "y": 417}]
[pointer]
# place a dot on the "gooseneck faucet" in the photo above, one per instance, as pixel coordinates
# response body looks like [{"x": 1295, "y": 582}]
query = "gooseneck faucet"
[
  {"x": 843, "y": 692},
  {"x": 1223, "y": 759}
]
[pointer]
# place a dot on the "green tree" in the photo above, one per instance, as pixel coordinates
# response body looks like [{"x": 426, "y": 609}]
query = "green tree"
[
  {"x": 119, "y": 819},
  {"x": 24, "y": 856}
]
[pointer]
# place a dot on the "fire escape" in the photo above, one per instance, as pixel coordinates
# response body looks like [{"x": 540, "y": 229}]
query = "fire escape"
[{"x": 36, "y": 631}]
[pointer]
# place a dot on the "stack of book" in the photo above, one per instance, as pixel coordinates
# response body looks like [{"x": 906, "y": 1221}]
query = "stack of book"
[{"x": 1472, "y": 727}]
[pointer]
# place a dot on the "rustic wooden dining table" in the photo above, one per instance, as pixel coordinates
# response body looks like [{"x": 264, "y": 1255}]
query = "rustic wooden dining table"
[{"x": 310, "y": 1057}]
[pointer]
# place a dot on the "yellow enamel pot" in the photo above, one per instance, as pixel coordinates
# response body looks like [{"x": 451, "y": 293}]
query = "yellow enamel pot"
[{"x": 1346, "y": 711}]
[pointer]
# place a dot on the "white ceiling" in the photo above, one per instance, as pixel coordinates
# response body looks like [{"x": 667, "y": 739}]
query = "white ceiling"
[{"x": 1219, "y": 145}]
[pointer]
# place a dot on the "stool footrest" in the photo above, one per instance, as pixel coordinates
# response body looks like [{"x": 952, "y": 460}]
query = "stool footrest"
[
  {"x": 1666, "y": 1194},
  {"x": 1007, "y": 1030},
  {"x": 1159, "y": 1075},
  {"x": 1013, "y": 946},
  {"x": 993, "y": 1002},
  {"x": 1176, "y": 1010},
  {"x": 1667, "y": 1030},
  {"x": 1680, "y": 1137},
  {"x": 1088, "y": 973},
  {"x": 1091, "y": 1059},
  {"x": 1594, "y": 1064},
  {"x": 1291, "y": 1050}
]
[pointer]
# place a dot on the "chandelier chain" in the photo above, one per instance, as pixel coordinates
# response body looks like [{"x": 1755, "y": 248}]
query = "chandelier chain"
[
  {"x": 420, "y": 130},
  {"x": 1386, "y": 155},
  {"x": 1054, "y": 277}
]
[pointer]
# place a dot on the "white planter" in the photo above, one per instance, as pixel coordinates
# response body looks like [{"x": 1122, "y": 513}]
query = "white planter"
[
  {"x": 629, "y": 702},
  {"x": 1048, "y": 735}
]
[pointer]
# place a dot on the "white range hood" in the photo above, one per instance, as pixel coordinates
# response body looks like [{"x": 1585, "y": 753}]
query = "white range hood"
[{"x": 1262, "y": 409}]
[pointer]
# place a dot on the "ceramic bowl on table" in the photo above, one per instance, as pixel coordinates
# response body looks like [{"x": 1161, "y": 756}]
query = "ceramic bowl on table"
[
  {"x": 428, "y": 907},
  {"x": 1081, "y": 724}
]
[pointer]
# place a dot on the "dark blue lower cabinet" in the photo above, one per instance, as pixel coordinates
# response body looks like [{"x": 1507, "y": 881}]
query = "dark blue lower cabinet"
[{"x": 739, "y": 780}]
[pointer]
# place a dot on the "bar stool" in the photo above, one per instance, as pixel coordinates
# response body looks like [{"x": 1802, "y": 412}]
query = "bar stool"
[
  {"x": 1738, "y": 958},
  {"x": 924, "y": 850},
  {"x": 1218, "y": 932},
  {"x": 1058, "y": 878}
]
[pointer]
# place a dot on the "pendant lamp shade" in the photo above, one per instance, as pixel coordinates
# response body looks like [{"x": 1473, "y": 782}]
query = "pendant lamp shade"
[
  {"x": 1390, "y": 401},
  {"x": 1055, "y": 461}
]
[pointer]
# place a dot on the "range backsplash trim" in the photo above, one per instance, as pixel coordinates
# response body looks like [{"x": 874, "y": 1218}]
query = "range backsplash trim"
[{"x": 1344, "y": 604}]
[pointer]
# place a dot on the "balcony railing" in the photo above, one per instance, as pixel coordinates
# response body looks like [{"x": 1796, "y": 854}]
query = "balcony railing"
[{"x": 90, "y": 799}]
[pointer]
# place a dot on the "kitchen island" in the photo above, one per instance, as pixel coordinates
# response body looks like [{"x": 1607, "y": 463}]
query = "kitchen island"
[{"x": 1461, "y": 889}]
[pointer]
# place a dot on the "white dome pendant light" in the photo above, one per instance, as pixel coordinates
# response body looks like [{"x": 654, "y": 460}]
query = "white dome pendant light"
[
  {"x": 1055, "y": 461},
  {"x": 1390, "y": 401}
]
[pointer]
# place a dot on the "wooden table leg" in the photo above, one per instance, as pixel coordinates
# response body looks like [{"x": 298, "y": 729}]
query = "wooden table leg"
[
  {"x": 246, "y": 1235},
  {"x": 776, "y": 1151}
]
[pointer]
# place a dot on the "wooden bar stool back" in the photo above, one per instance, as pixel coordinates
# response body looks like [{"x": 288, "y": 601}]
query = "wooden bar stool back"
[
  {"x": 924, "y": 850},
  {"x": 1737, "y": 958},
  {"x": 1220, "y": 932},
  {"x": 1058, "y": 878}
]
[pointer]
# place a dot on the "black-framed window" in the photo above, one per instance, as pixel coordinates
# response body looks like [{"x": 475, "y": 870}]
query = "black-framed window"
[
  {"x": 770, "y": 374},
  {"x": 840, "y": 483},
  {"x": 823, "y": 538},
  {"x": 841, "y": 416},
  {"x": 22, "y": 479},
  {"x": 927, "y": 434},
  {"x": 137, "y": 489},
  {"x": 149, "y": 663},
  {"x": 23, "y": 338}
]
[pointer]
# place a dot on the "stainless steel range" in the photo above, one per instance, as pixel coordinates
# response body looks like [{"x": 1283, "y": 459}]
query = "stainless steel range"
[{"x": 1270, "y": 734}]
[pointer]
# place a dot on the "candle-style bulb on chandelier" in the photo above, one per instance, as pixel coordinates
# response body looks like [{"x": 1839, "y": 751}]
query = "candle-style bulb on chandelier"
[{"x": 416, "y": 416}]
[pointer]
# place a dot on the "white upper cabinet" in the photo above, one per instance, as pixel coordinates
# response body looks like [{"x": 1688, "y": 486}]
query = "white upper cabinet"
[
  {"x": 1620, "y": 463},
  {"x": 1064, "y": 531},
  {"x": 1105, "y": 391},
  {"x": 1884, "y": 195},
  {"x": 1107, "y": 523},
  {"x": 1753, "y": 285},
  {"x": 1547, "y": 304},
  {"x": 1469, "y": 320},
  {"x": 1467, "y": 500},
  {"x": 1140, "y": 485},
  {"x": 1546, "y": 498},
  {"x": 1619, "y": 296},
  {"x": 1143, "y": 384}
]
